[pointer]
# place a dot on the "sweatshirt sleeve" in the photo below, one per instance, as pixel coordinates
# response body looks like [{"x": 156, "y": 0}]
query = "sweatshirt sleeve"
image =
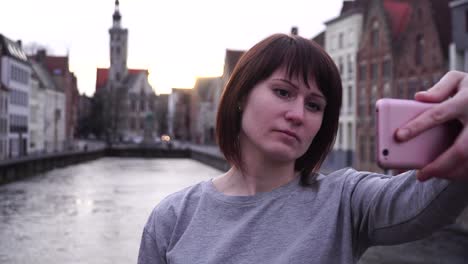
[
  {"x": 149, "y": 251},
  {"x": 156, "y": 236},
  {"x": 396, "y": 209}
]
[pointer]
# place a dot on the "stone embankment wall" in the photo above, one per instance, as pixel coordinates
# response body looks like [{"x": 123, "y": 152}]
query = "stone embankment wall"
[{"x": 20, "y": 168}]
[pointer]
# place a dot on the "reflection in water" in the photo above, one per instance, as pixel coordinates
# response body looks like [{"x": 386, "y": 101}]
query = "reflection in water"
[{"x": 89, "y": 213}]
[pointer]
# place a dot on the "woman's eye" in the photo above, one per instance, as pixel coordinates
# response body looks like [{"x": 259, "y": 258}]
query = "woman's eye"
[
  {"x": 313, "y": 107},
  {"x": 282, "y": 93}
]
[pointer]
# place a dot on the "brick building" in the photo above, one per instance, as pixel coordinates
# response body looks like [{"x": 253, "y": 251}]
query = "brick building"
[
  {"x": 59, "y": 68},
  {"x": 403, "y": 49}
]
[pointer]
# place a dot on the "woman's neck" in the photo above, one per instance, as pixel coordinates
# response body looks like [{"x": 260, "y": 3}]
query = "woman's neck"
[{"x": 259, "y": 175}]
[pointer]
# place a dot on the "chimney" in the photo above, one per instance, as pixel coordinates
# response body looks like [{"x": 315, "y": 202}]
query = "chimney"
[
  {"x": 41, "y": 56},
  {"x": 20, "y": 43},
  {"x": 294, "y": 31}
]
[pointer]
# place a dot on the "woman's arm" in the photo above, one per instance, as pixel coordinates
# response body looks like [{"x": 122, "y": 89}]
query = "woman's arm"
[{"x": 396, "y": 209}]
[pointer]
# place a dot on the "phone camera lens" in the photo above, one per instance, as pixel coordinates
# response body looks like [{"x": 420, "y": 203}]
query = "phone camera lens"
[{"x": 385, "y": 152}]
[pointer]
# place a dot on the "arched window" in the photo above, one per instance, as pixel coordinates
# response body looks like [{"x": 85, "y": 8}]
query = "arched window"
[
  {"x": 375, "y": 34},
  {"x": 419, "y": 52}
]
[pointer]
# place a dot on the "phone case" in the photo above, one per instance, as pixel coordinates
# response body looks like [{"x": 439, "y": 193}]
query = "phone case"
[{"x": 418, "y": 151}]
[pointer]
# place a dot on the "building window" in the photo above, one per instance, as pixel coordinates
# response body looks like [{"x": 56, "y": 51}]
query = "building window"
[
  {"x": 117, "y": 50},
  {"x": 350, "y": 135},
  {"x": 18, "y": 124},
  {"x": 419, "y": 13},
  {"x": 3, "y": 126},
  {"x": 386, "y": 70},
  {"x": 19, "y": 98},
  {"x": 400, "y": 90},
  {"x": 132, "y": 123},
  {"x": 350, "y": 66},
  {"x": 466, "y": 21},
  {"x": 387, "y": 90},
  {"x": 19, "y": 75},
  {"x": 362, "y": 101},
  {"x": 34, "y": 111},
  {"x": 412, "y": 88},
  {"x": 350, "y": 99},
  {"x": 340, "y": 136},
  {"x": 419, "y": 53},
  {"x": 375, "y": 34},
  {"x": 362, "y": 149},
  {"x": 340, "y": 65},
  {"x": 142, "y": 104},
  {"x": 142, "y": 123},
  {"x": 350, "y": 37},
  {"x": 362, "y": 72},
  {"x": 374, "y": 71},
  {"x": 57, "y": 71},
  {"x": 133, "y": 105},
  {"x": 373, "y": 99},
  {"x": 340, "y": 41}
]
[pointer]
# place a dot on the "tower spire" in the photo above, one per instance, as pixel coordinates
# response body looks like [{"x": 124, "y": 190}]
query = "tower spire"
[
  {"x": 118, "y": 47},
  {"x": 116, "y": 16}
]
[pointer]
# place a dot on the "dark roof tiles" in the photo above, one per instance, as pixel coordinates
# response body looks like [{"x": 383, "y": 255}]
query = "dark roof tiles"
[{"x": 102, "y": 75}]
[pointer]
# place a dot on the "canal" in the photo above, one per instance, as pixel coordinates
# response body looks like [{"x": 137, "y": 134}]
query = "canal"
[
  {"x": 95, "y": 212},
  {"x": 89, "y": 213}
]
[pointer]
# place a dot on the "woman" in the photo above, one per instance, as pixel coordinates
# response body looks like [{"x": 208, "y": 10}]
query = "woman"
[{"x": 276, "y": 123}]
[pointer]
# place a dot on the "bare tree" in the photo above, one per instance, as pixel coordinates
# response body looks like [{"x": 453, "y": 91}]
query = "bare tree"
[{"x": 31, "y": 48}]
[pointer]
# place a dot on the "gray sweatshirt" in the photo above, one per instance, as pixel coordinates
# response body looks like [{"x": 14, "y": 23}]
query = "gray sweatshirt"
[{"x": 334, "y": 221}]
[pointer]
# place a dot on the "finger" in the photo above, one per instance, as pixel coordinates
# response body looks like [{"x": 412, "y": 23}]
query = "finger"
[
  {"x": 437, "y": 115},
  {"x": 446, "y": 165},
  {"x": 456, "y": 174},
  {"x": 443, "y": 89}
]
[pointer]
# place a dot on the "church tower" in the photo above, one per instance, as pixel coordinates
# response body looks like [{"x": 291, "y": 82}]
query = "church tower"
[{"x": 118, "y": 48}]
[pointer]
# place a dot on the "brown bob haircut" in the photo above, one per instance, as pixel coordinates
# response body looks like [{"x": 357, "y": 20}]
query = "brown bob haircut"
[{"x": 302, "y": 58}]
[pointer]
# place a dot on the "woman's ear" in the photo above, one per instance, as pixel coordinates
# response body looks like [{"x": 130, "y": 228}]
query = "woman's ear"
[{"x": 241, "y": 104}]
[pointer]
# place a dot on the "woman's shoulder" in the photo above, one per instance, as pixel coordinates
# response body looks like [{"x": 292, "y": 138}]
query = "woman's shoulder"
[{"x": 177, "y": 199}]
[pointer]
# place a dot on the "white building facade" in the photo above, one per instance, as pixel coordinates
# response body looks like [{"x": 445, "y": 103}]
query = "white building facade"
[
  {"x": 47, "y": 118},
  {"x": 342, "y": 37},
  {"x": 139, "y": 121},
  {"x": 54, "y": 123},
  {"x": 36, "y": 118},
  {"x": 3, "y": 122},
  {"x": 16, "y": 77}
]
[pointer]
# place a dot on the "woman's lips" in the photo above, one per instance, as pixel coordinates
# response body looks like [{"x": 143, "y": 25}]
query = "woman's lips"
[{"x": 289, "y": 133}]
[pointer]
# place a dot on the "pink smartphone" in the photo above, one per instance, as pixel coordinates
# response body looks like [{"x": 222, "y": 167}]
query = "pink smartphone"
[{"x": 416, "y": 152}]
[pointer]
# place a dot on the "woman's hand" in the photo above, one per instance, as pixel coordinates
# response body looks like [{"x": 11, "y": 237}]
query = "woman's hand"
[{"x": 452, "y": 94}]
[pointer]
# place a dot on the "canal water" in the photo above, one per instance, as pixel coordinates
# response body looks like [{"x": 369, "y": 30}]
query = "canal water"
[
  {"x": 89, "y": 213},
  {"x": 95, "y": 212}
]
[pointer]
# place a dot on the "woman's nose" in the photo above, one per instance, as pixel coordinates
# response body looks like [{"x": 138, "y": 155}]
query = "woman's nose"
[{"x": 295, "y": 112}]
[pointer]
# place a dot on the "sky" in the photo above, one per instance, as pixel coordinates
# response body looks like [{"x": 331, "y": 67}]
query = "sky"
[{"x": 176, "y": 40}]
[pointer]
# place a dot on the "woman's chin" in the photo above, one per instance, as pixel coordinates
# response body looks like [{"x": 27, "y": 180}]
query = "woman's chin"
[{"x": 282, "y": 154}]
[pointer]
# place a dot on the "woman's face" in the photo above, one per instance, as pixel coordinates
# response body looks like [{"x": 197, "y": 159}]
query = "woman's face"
[{"x": 280, "y": 117}]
